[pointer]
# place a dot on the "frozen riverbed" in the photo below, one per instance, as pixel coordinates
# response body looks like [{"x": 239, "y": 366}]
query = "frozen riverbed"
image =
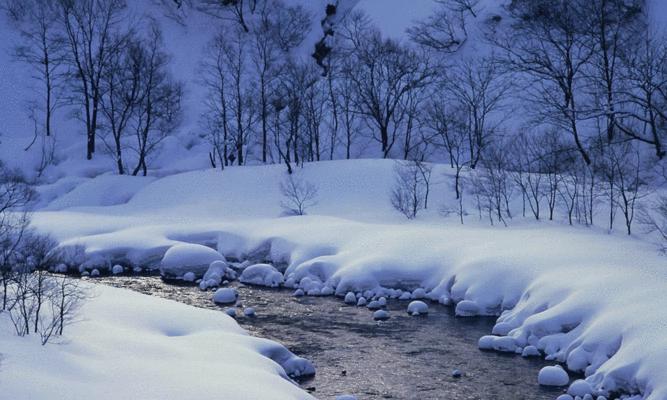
[{"x": 403, "y": 358}]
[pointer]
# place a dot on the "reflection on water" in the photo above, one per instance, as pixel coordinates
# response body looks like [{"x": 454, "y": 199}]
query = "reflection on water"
[{"x": 402, "y": 358}]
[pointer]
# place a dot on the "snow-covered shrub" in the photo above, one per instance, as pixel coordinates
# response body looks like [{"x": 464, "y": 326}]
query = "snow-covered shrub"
[{"x": 298, "y": 195}]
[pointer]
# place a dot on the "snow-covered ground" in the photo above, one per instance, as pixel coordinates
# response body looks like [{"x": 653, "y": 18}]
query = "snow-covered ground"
[
  {"x": 582, "y": 297},
  {"x": 132, "y": 346}
]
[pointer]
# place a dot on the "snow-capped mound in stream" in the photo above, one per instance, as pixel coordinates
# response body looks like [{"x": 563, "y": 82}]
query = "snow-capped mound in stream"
[
  {"x": 184, "y": 258},
  {"x": 262, "y": 275}
]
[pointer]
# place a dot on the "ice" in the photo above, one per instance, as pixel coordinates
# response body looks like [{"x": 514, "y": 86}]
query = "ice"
[{"x": 553, "y": 376}]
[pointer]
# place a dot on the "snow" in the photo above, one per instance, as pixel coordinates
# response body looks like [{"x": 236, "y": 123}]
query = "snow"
[
  {"x": 417, "y": 307},
  {"x": 591, "y": 300},
  {"x": 188, "y": 258},
  {"x": 381, "y": 315},
  {"x": 580, "y": 388},
  {"x": 553, "y": 376},
  {"x": 132, "y": 346},
  {"x": 262, "y": 275},
  {"x": 225, "y": 296},
  {"x": 350, "y": 298}
]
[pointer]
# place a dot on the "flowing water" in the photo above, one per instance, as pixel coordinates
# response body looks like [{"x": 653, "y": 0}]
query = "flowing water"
[{"x": 403, "y": 358}]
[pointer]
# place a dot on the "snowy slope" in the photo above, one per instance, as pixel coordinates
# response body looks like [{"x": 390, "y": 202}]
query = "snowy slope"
[
  {"x": 133, "y": 346},
  {"x": 591, "y": 300}
]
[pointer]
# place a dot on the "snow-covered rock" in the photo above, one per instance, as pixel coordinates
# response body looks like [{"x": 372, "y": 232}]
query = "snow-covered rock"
[
  {"x": 467, "y": 308},
  {"x": 405, "y": 296},
  {"x": 187, "y": 257},
  {"x": 553, "y": 376},
  {"x": 382, "y": 301},
  {"x": 117, "y": 269},
  {"x": 231, "y": 312},
  {"x": 350, "y": 298},
  {"x": 530, "y": 351},
  {"x": 249, "y": 312},
  {"x": 374, "y": 305},
  {"x": 225, "y": 296},
  {"x": 565, "y": 397},
  {"x": 486, "y": 342},
  {"x": 262, "y": 275},
  {"x": 361, "y": 302},
  {"x": 381, "y": 315},
  {"x": 457, "y": 373},
  {"x": 214, "y": 275},
  {"x": 417, "y": 307},
  {"x": 327, "y": 291},
  {"x": 189, "y": 277},
  {"x": 95, "y": 272},
  {"x": 298, "y": 293},
  {"x": 419, "y": 293},
  {"x": 580, "y": 388}
]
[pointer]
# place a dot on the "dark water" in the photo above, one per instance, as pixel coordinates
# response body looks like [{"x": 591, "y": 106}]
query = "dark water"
[{"x": 402, "y": 358}]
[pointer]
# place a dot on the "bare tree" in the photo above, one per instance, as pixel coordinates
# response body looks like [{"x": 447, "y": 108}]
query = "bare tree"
[
  {"x": 298, "y": 195},
  {"x": 385, "y": 73},
  {"x": 42, "y": 49},
  {"x": 548, "y": 45},
  {"x": 408, "y": 195},
  {"x": 481, "y": 90},
  {"x": 159, "y": 110},
  {"x": 446, "y": 29},
  {"x": 89, "y": 27},
  {"x": 645, "y": 95}
]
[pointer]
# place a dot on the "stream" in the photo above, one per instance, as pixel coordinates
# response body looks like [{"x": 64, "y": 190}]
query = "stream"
[{"x": 403, "y": 358}]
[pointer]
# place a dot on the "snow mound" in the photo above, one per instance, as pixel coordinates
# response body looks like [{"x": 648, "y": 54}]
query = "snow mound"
[
  {"x": 183, "y": 258},
  {"x": 350, "y": 298},
  {"x": 381, "y": 315},
  {"x": 225, "y": 296},
  {"x": 417, "y": 307},
  {"x": 262, "y": 275},
  {"x": 553, "y": 376}
]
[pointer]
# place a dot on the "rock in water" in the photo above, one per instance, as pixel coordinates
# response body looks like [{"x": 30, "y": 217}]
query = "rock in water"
[
  {"x": 380, "y": 315},
  {"x": 350, "y": 298},
  {"x": 225, "y": 296},
  {"x": 553, "y": 376},
  {"x": 417, "y": 307},
  {"x": 249, "y": 312}
]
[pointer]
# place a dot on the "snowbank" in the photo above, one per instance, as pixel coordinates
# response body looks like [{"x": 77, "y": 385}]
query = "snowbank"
[
  {"x": 576, "y": 295},
  {"x": 133, "y": 346}
]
